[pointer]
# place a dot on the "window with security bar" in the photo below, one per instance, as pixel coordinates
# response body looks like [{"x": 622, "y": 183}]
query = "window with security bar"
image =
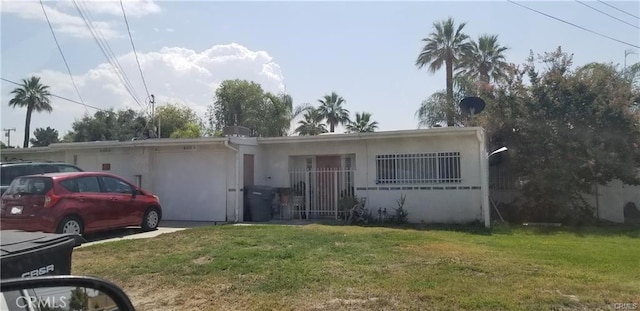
[{"x": 418, "y": 168}]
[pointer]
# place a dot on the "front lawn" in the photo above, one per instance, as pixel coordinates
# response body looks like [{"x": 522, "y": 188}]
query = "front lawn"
[{"x": 363, "y": 268}]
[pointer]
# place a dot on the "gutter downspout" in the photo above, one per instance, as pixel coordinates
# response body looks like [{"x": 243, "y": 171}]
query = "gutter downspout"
[
  {"x": 484, "y": 178},
  {"x": 226, "y": 143}
]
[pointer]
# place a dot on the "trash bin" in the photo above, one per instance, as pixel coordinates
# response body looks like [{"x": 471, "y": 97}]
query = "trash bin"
[
  {"x": 30, "y": 254},
  {"x": 260, "y": 202}
]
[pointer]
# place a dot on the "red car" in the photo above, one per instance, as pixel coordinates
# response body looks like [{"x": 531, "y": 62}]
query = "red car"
[{"x": 77, "y": 202}]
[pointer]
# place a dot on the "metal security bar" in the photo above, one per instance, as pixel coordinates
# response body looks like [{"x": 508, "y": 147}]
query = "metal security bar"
[
  {"x": 316, "y": 193},
  {"x": 418, "y": 168}
]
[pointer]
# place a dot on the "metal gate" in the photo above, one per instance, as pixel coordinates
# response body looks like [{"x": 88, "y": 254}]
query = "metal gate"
[{"x": 321, "y": 190}]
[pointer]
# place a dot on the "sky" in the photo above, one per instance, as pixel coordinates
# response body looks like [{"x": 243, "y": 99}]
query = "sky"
[{"x": 364, "y": 51}]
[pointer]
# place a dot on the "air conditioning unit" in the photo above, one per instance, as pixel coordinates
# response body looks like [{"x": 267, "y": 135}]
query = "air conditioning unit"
[{"x": 238, "y": 131}]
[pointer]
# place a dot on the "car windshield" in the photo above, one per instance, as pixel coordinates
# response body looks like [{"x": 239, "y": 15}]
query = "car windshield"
[{"x": 30, "y": 186}]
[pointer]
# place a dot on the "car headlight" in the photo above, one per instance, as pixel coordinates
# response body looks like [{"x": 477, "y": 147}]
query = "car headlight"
[{"x": 157, "y": 198}]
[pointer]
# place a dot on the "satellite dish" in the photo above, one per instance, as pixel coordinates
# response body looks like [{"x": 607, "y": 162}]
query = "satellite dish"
[{"x": 472, "y": 105}]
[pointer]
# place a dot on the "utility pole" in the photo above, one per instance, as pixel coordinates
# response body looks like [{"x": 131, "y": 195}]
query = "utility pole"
[
  {"x": 152, "y": 101},
  {"x": 7, "y": 133},
  {"x": 627, "y": 53},
  {"x": 153, "y": 105}
]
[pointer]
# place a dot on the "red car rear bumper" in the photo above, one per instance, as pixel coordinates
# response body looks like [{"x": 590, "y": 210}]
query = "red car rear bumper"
[{"x": 28, "y": 224}]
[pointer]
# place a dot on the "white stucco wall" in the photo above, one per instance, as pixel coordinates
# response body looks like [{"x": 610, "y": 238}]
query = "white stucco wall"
[
  {"x": 613, "y": 197},
  {"x": 127, "y": 161},
  {"x": 429, "y": 205}
]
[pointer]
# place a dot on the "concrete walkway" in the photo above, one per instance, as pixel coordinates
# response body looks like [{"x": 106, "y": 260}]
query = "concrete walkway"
[
  {"x": 137, "y": 233},
  {"x": 175, "y": 226},
  {"x": 125, "y": 234}
]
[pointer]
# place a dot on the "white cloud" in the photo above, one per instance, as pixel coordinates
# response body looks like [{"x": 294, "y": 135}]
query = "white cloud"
[
  {"x": 170, "y": 30},
  {"x": 173, "y": 74},
  {"x": 71, "y": 24}
]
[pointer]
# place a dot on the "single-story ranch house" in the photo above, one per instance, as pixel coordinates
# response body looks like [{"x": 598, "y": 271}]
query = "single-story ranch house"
[{"x": 442, "y": 172}]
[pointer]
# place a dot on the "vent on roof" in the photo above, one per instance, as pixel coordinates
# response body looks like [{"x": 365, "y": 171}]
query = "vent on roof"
[{"x": 235, "y": 130}]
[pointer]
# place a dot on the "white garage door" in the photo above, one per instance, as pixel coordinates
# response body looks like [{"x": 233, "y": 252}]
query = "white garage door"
[{"x": 191, "y": 185}]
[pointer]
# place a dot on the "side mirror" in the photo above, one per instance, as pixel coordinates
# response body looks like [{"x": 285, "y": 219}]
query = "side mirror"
[{"x": 62, "y": 292}]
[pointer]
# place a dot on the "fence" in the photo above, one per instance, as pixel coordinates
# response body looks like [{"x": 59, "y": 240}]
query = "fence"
[{"x": 320, "y": 191}]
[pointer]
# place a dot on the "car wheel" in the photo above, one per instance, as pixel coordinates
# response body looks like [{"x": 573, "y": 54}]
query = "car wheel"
[
  {"x": 70, "y": 225},
  {"x": 151, "y": 219}
]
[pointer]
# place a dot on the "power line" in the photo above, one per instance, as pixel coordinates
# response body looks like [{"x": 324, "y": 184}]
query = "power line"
[
  {"x": 111, "y": 57},
  {"x": 106, "y": 49},
  {"x": 61, "y": 53},
  {"x": 134, "y": 49},
  {"x": 60, "y": 97},
  {"x": 607, "y": 14},
  {"x": 623, "y": 11},
  {"x": 574, "y": 25}
]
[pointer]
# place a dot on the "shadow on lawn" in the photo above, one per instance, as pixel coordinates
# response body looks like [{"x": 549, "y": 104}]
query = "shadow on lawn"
[{"x": 632, "y": 231}]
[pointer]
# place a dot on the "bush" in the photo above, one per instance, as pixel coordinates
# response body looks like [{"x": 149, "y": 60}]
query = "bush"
[{"x": 401, "y": 214}]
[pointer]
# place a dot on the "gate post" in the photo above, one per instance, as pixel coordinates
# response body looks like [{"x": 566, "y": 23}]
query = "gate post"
[
  {"x": 307, "y": 194},
  {"x": 335, "y": 188}
]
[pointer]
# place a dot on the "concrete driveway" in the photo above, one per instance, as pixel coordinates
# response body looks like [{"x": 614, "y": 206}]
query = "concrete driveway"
[{"x": 137, "y": 232}]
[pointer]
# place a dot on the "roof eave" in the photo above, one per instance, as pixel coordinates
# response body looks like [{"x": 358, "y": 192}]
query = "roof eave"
[{"x": 375, "y": 135}]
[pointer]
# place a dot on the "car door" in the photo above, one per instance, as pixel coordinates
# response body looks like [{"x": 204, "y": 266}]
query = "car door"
[
  {"x": 122, "y": 202},
  {"x": 89, "y": 201}
]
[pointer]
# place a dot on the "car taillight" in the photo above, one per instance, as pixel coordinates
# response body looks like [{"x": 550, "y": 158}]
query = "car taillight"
[{"x": 50, "y": 199}]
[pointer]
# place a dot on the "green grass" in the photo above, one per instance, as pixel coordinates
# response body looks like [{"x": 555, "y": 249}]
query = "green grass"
[{"x": 363, "y": 268}]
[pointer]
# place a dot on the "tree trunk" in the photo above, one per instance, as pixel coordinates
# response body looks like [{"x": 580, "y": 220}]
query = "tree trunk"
[
  {"x": 27, "y": 124},
  {"x": 331, "y": 127},
  {"x": 450, "y": 103}
]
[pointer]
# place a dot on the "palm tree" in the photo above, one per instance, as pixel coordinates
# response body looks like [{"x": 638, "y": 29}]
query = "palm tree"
[
  {"x": 485, "y": 61},
  {"x": 331, "y": 109},
  {"x": 445, "y": 46},
  {"x": 362, "y": 124},
  {"x": 312, "y": 123},
  {"x": 33, "y": 95},
  {"x": 434, "y": 110},
  {"x": 277, "y": 114}
]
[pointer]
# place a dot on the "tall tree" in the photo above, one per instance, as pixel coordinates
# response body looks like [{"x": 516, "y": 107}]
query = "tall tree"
[
  {"x": 176, "y": 117},
  {"x": 275, "y": 115},
  {"x": 109, "y": 125},
  {"x": 437, "y": 111},
  {"x": 362, "y": 124},
  {"x": 190, "y": 130},
  {"x": 237, "y": 103},
  {"x": 332, "y": 110},
  {"x": 244, "y": 103},
  {"x": 569, "y": 130},
  {"x": 485, "y": 61},
  {"x": 35, "y": 97},
  {"x": 445, "y": 46},
  {"x": 311, "y": 124},
  {"x": 45, "y": 137}
]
